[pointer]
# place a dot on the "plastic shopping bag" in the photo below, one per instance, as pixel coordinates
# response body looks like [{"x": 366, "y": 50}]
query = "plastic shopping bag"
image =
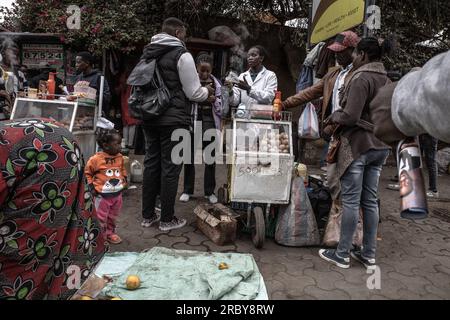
[
  {"x": 333, "y": 228},
  {"x": 296, "y": 225},
  {"x": 308, "y": 124}
]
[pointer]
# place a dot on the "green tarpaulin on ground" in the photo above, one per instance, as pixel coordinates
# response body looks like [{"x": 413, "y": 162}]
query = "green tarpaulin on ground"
[{"x": 168, "y": 274}]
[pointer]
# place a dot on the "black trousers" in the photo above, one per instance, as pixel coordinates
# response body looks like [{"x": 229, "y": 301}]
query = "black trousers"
[
  {"x": 161, "y": 175},
  {"x": 429, "y": 145},
  {"x": 209, "y": 180}
]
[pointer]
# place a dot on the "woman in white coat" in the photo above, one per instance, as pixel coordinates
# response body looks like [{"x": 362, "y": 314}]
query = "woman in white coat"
[{"x": 257, "y": 85}]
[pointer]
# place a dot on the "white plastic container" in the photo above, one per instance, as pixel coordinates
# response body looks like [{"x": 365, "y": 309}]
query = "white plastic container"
[{"x": 137, "y": 172}]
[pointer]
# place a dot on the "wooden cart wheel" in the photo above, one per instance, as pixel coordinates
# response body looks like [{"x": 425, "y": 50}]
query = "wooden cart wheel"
[{"x": 258, "y": 228}]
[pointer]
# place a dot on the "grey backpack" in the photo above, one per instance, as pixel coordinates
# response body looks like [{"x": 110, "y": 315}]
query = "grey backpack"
[{"x": 149, "y": 97}]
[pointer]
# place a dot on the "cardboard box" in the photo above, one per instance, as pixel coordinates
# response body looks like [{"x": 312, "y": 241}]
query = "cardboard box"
[{"x": 217, "y": 222}]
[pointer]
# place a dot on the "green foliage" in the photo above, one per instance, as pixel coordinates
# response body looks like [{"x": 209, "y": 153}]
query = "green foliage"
[
  {"x": 104, "y": 24},
  {"x": 122, "y": 24},
  {"x": 413, "y": 22}
]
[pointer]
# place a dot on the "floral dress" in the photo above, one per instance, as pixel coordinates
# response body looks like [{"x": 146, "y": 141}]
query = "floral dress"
[{"x": 50, "y": 238}]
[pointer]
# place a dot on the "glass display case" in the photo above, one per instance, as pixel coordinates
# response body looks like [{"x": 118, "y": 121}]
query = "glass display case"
[
  {"x": 79, "y": 118},
  {"x": 260, "y": 137}
]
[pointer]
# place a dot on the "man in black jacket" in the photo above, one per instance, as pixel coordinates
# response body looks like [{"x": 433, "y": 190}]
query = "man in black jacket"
[
  {"x": 83, "y": 63},
  {"x": 178, "y": 71}
]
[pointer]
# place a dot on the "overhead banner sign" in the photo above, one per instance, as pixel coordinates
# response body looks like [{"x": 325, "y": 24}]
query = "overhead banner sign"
[{"x": 330, "y": 17}]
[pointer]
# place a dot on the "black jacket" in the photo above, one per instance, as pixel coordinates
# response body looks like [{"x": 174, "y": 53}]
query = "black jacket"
[
  {"x": 179, "y": 112},
  {"x": 94, "y": 82}
]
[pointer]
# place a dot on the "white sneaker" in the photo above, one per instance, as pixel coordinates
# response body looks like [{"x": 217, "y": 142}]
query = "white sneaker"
[
  {"x": 185, "y": 197},
  {"x": 432, "y": 194},
  {"x": 212, "y": 199}
]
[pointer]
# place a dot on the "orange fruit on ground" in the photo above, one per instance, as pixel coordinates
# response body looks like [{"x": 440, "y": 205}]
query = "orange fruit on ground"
[{"x": 133, "y": 282}]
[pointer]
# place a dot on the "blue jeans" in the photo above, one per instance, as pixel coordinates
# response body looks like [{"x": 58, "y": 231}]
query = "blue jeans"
[{"x": 359, "y": 186}]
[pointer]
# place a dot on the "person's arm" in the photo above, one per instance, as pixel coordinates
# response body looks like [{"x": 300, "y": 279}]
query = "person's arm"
[
  {"x": 89, "y": 172},
  {"x": 381, "y": 115},
  {"x": 235, "y": 97},
  {"x": 124, "y": 173},
  {"x": 189, "y": 79},
  {"x": 304, "y": 96},
  {"x": 218, "y": 107},
  {"x": 266, "y": 95},
  {"x": 356, "y": 100}
]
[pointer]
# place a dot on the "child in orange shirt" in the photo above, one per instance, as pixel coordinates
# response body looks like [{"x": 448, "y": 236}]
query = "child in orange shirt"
[{"x": 107, "y": 178}]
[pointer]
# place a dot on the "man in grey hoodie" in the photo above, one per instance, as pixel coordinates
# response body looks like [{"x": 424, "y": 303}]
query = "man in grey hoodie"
[{"x": 161, "y": 174}]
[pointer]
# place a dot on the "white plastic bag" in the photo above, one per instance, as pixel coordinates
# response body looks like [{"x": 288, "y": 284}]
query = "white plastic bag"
[
  {"x": 104, "y": 123},
  {"x": 308, "y": 124}
]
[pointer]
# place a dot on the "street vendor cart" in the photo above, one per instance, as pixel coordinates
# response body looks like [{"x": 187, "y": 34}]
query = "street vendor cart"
[
  {"x": 78, "y": 112},
  {"x": 79, "y": 117},
  {"x": 261, "y": 170}
]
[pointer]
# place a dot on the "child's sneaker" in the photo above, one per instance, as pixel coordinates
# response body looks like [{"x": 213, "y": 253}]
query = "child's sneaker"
[
  {"x": 368, "y": 263},
  {"x": 174, "y": 224},
  {"x": 147, "y": 223},
  {"x": 331, "y": 256}
]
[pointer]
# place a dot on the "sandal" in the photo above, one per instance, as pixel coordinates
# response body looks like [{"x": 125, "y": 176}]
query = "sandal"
[{"x": 114, "y": 239}]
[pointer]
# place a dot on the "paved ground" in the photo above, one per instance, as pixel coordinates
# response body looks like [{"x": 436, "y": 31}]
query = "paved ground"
[{"x": 414, "y": 256}]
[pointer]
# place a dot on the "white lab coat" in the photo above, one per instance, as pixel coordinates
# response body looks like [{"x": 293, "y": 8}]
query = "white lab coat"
[{"x": 262, "y": 91}]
